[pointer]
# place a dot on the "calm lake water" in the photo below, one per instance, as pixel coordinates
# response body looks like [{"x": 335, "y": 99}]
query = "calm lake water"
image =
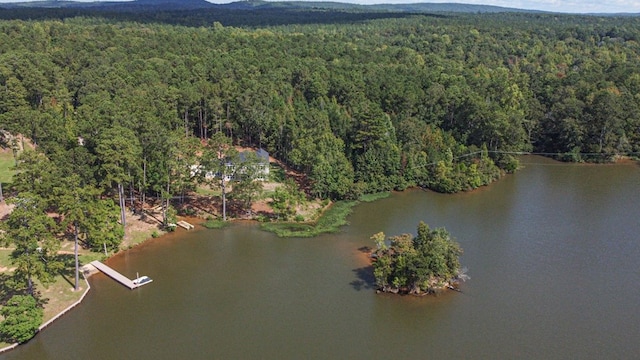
[{"x": 553, "y": 253}]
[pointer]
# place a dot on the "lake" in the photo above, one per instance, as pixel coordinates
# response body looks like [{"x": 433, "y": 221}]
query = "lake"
[{"x": 552, "y": 251}]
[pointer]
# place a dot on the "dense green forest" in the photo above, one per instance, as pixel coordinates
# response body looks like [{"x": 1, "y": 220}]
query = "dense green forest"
[{"x": 361, "y": 107}]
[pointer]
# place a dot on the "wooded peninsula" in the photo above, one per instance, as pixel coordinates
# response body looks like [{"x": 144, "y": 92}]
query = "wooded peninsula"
[{"x": 119, "y": 110}]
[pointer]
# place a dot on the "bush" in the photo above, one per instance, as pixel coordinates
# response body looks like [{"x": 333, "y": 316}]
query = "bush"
[
  {"x": 187, "y": 211},
  {"x": 214, "y": 224},
  {"x": 22, "y": 317}
]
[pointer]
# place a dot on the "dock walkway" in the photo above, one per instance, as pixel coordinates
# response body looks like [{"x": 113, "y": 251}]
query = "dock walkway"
[{"x": 114, "y": 275}]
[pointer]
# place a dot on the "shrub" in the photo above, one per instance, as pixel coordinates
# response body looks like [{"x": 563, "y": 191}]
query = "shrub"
[{"x": 22, "y": 317}]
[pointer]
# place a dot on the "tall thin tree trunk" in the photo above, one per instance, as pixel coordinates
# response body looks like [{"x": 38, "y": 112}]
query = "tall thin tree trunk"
[
  {"x": 122, "y": 204},
  {"x": 206, "y": 125},
  {"x": 1, "y": 195},
  {"x": 29, "y": 281},
  {"x": 201, "y": 121},
  {"x": 15, "y": 149},
  {"x": 186, "y": 122},
  {"x": 131, "y": 199},
  {"x": 166, "y": 205},
  {"x": 164, "y": 212},
  {"x": 144, "y": 181},
  {"x": 75, "y": 253},
  {"x": 230, "y": 127},
  {"x": 224, "y": 200}
]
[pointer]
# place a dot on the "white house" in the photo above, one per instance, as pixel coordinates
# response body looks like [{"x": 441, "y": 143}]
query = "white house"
[
  {"x": 262, "y": 173},
  {"x": 263, "y": 164}
]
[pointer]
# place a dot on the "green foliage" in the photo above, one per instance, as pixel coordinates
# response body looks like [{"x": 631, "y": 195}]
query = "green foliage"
[
  {"x": 172, "y": 215},
  {"x": 220, "y": 164},
  {"x": 285, "y": 199},
  {"x": 31, "y": 232},
  {"x": 102, "y": 227},
  {"x": 119, "y": 152},
  {"x": 36, "y": 174},
  {"x": 330, "y": 221},
  {"x": 374, "y": 197},
  {"x": 277, "y": 173},
  {"x": 22, "y": 317},
  {"x": 423, "y": 263},
  {"x": 214, "y": 224},
  {"x": 246, "y": 186}
]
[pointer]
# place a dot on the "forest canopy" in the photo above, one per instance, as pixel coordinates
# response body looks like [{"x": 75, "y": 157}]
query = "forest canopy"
[{"x": 438, "y": 102}]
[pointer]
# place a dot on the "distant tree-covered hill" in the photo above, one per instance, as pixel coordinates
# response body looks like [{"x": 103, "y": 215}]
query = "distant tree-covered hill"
[
  {"x": 252, "y": 13},
  {"x": 163, "y": 5}
]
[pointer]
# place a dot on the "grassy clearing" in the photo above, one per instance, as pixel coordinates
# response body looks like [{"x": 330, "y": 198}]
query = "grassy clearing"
[
  {"x": 4, "y": 258},
  {"x": 60, "y": 295},
  {"x": 206, "y": 191},
  {"x": 330, "y": 221},
  {"x": 6, "y": 163},
  {"x": 138, "y": 237},
  {"x": 88, "y": 257}
]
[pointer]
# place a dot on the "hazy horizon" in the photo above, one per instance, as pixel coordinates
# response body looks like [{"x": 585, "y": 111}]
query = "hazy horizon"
[{"x": 564, "y": 6}]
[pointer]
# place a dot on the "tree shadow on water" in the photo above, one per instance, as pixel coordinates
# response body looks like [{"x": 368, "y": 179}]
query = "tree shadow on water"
[{"x": 364, "y": 279}]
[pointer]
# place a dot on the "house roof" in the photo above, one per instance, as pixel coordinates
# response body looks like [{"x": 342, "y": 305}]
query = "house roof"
[{"x": 262, "y": 154}]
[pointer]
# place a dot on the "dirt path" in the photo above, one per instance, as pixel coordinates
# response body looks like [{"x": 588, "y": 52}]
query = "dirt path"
[{"x": 5, "y": 209}]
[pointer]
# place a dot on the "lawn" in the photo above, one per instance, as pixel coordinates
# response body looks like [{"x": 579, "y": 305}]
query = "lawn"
[
  {"x": 4, "y": 258},
  {"x": 56, "y": 296},
  {"x": 6, "y": 163},
  {"x": 206, "y": 191},
  {"x": 60, "y": 295}
]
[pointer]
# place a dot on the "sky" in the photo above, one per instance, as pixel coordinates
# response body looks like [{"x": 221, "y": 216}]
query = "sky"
[{"x": 566, "y": 6}]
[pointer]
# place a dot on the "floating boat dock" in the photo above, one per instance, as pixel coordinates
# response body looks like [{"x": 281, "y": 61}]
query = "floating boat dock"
[
  {"x": 131, "y": 284},
  {"x": 185, "y": 225}
]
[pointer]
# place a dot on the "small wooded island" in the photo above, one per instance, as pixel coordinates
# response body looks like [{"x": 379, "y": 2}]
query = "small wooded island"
[{"x": 416, "y": 265}]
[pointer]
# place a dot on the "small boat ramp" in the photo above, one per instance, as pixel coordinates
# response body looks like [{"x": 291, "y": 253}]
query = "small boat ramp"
[{"x": 131, "y": 284}]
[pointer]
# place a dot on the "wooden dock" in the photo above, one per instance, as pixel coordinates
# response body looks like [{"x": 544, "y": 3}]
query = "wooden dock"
[
  {"x": 117, "y": 276},
  {"x": 185, "y": 225}
]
